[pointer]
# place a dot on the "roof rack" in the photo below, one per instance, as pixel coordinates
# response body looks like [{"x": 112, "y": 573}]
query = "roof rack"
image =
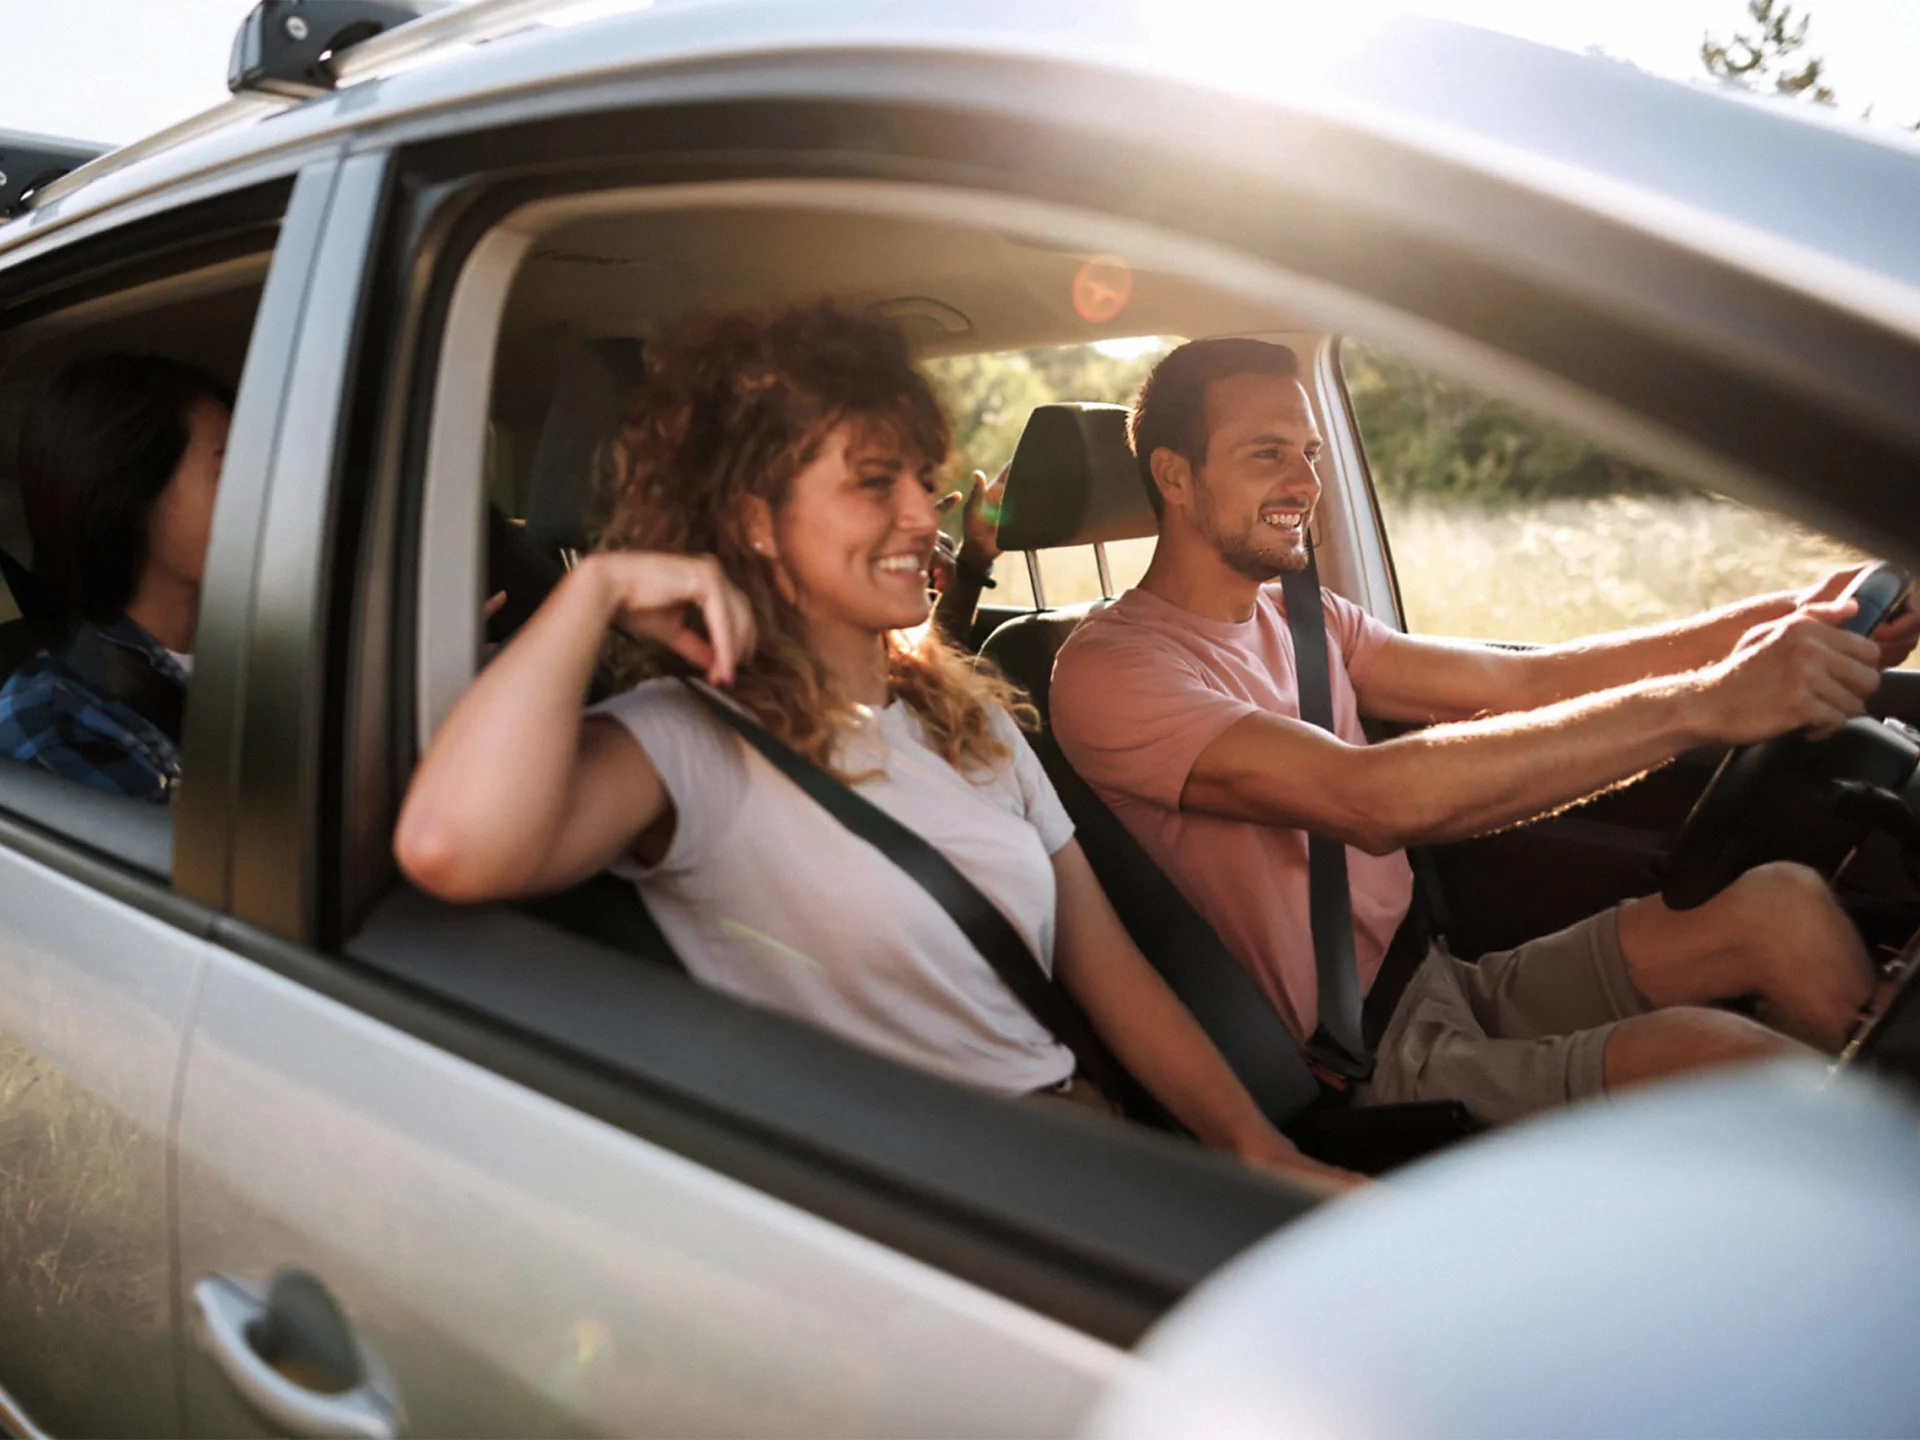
[
  {"x": 30, "y": 162},
  {"x": 287, "y": 47},
  {"x": 438, "y": 26}
]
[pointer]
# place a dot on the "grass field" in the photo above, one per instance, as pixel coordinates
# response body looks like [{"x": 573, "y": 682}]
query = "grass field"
[
  {"x": 1554, "y": 570},
  {"x": 1566, "y": 568}
]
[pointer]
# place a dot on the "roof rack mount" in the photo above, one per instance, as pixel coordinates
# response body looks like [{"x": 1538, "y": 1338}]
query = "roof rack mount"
[
  {"x": 28, "y": 162},
  {"x": 288, "y": 47}
]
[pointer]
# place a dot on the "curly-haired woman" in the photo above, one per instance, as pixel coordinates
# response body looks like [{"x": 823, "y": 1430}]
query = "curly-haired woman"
[{"x": 777, "y": 478}]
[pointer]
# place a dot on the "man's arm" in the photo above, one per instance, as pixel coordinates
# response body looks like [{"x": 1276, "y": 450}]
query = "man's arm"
[
  {"x": 1456, "y": 780},
  {"x": 1425, "y": 680}
]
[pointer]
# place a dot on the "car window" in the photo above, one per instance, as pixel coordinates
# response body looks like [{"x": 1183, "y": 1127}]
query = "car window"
[
  {"x": 171, "y": 326},
  {"x": 991, "y": 395},
  {"x": 1502, "y": 528}
]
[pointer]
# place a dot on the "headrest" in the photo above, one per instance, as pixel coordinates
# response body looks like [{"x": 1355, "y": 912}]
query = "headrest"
[
  {"x": 1073, "y": 481},
  {"x": 588, "y": 395}
]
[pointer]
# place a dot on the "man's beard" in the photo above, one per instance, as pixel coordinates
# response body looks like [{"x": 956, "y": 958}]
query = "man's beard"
[{"x": 1247, "y": 551}]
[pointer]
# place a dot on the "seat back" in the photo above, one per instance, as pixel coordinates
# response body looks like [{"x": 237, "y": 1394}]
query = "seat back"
[{"x": 1073, "y": 481}]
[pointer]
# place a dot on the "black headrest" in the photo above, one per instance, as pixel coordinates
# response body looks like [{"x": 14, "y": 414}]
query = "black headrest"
[
  {"x": 588, "y": 395},
  {"x": 1073, "y": 481}
]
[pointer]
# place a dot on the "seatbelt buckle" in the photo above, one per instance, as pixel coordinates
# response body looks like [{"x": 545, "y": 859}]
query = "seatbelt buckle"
[{"x": 1333, "y": 1064}]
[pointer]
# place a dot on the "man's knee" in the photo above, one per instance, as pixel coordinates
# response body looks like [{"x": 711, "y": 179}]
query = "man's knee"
[
  {"x": 1786, "y": 915},
  {"x": 1689, "y": 1037},
  {"x": 1777, "y": 899}
]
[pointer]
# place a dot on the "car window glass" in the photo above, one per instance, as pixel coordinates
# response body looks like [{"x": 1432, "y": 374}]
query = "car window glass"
[
  {"x": 1502, "y": 528},
  {"x": 990, "y": 397}
]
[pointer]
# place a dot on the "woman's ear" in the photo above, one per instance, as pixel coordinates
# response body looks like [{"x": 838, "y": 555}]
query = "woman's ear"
[{"x": 758, "y": 516}]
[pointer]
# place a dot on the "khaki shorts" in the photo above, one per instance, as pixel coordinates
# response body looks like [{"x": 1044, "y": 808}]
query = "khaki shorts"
[{"x": 1519, "y": 1032}]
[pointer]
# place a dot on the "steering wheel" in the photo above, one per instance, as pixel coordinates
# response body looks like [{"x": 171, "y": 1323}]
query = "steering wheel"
[{"x": 1714, "y": 843}]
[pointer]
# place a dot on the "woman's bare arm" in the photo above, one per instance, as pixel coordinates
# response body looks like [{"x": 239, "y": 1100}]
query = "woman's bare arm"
[
  {"x": 1157, "y": 1039},
  {"x": 518, "y": 795}
]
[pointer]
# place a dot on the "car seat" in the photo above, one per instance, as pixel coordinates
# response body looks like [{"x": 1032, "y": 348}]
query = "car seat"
[{"x": 1073, "y": 481}]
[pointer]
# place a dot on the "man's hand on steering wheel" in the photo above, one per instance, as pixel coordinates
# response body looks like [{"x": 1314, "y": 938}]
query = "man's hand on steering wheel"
[
  {"x": 1798, "y": 672},
  {"x": 1896, "y": 635}
]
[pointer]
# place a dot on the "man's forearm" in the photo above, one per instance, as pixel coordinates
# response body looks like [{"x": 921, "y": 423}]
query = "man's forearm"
[
  {"x": 1606, "y": 662},
  {"x": 1449, "y": 781}
]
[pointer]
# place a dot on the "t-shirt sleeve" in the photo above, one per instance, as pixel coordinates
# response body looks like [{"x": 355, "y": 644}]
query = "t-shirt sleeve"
[
  {"x": 699, "y": 762},
  {"x": 1132, "y": 714},
  {"x": 1359, "y": 636},
  {"x": 1040, "y": 802}
]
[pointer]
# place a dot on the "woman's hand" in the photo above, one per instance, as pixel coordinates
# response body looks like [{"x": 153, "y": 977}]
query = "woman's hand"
[
  {"x": 1279, "y": 1156},
  {"x": 657, "y": 596}
]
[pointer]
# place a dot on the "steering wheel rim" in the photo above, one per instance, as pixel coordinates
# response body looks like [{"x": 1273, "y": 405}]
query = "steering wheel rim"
[{"x": 1713, "y": 845}]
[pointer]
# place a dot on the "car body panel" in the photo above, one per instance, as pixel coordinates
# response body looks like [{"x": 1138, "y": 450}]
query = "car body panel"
[
  {"x": 96, "y": 998},
  {"x": 521, "y": 1268}
]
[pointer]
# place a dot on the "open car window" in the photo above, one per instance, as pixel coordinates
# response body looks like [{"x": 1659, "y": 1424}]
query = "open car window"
[
  {"x": 1503, "y": 528},
  {"x": 185, "y": 287}
]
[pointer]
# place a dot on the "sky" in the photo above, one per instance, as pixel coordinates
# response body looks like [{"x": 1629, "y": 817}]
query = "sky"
[{"x": 114, "y": 70}]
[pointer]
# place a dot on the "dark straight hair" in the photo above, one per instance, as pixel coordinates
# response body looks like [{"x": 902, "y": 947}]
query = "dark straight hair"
[
  {"x": 97, "y": 446},
  {"x": 1170, "y": 411}
]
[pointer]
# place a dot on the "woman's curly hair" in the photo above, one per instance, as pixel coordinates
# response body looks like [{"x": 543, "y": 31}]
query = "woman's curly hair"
[{"x": 737, "y": 405}]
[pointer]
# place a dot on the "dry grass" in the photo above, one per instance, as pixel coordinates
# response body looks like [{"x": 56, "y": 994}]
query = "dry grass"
[
  {"x": 1567, "y": 568},
  {"x": 1551, "y": 571}
]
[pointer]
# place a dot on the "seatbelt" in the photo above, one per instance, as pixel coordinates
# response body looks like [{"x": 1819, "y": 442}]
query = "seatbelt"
[
  {"x": 979, "y": 919},
  {"x": 1338, "y": 1044}
]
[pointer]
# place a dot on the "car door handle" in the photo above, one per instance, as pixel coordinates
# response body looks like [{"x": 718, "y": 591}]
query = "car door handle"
[{"x": 292, "y": 1356}]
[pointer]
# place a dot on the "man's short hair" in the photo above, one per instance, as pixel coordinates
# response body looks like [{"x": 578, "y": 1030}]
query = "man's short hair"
[
  {"x": 98, "y": 445},
  {"x": 1171, "y": 409}
]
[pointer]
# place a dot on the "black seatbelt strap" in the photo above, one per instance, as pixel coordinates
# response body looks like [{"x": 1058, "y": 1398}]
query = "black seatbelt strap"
[
  {"x": 979, "y": 919},
  {"x": 1338, "y": 1044}
]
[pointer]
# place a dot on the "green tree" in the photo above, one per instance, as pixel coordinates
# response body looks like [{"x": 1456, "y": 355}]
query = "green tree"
[
  {"x": 1772, "y": 52},
  {"x": 990, "y": 396},
  {"x": 1427, "y": 437}
]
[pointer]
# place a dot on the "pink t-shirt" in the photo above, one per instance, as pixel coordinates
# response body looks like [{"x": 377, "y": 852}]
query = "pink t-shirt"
[{"x": 1140, "y": 690}]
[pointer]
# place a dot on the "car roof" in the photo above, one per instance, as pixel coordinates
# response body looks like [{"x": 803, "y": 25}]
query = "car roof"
[{"x": 1824, "y": 207}]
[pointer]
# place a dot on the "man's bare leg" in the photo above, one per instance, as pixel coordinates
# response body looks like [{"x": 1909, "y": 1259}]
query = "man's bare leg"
[
  {"x": 1686, "y": 1038},
  {"x": 1776, "y": 934}
]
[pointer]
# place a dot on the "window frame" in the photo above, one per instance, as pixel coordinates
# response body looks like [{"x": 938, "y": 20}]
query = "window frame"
[{"x": 168, "y": 861}]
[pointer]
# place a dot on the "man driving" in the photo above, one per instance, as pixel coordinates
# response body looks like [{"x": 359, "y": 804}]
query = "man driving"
[{"x": 1180, "y": 705}]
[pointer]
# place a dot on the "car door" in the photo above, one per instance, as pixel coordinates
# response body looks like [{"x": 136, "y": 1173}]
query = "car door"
[
  {"x": 103, "y": 924},
  {"x": 462, "y": 1171}
]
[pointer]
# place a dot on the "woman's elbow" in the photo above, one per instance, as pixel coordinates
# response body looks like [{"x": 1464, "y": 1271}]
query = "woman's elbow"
[{"x": 431, "y": 855}]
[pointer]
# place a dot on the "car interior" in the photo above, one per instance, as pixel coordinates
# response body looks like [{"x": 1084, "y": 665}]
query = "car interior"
[
  {"x": 574, "y": 321},
  {"x": 571, "y": 300}
]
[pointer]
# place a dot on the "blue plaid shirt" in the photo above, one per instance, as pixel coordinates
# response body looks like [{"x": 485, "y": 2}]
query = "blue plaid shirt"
[{"x": 52, "y": 718}]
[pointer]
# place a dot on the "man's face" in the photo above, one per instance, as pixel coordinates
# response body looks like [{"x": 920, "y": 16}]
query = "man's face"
[{"x": 1254, "y": 494}]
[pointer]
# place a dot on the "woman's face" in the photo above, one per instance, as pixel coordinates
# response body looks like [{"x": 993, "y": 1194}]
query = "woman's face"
[
  {"x": 856, "y": 535},
  {"x": 183, "y": 513}
]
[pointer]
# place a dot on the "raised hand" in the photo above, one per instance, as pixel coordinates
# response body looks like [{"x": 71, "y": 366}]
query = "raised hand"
[{"x": 657, "y": 596}]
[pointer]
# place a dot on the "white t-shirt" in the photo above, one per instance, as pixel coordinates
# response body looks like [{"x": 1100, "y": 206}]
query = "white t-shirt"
[{"x": 766, "y": 896}]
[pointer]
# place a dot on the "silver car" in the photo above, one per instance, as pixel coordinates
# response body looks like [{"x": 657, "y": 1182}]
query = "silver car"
[{"x": 285, "y": 1148}]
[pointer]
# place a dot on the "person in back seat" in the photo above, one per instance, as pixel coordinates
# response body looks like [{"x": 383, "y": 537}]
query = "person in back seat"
[
  {"x": 1179, "y": 704},
  {"x": 779, "y": 485},
  {"x": 120, "y": 461}
]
